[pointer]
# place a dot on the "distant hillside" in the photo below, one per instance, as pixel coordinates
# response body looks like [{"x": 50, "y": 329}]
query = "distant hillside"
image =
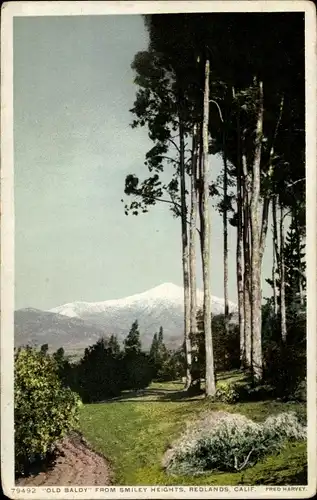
[
  {"x": 79, "y": 324},
  {"x": 35, "y": 327}
]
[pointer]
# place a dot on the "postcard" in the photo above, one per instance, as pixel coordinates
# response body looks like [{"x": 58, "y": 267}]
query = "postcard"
[{"x": 158, "y": 249}]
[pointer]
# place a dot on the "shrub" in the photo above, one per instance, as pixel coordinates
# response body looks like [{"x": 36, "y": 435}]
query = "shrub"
[
  {"x": 249, "y": 392},
  {"x": 230, "y": 442},
  {"x": 44, "y": 410},
  {"x": 227, "y": 393},
  {"x": 300, "y": 392},
  {"x": 285, "y": 426}
]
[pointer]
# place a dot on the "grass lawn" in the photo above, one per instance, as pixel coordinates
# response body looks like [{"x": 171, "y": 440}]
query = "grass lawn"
[{"x": 133, "y": 433}]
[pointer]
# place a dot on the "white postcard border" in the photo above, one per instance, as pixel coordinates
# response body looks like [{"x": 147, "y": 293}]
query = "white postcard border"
[{"x": 54, "y": 8}]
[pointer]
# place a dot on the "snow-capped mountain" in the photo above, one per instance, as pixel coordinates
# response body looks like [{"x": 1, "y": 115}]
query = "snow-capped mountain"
[{"x": 160, "y": 306}]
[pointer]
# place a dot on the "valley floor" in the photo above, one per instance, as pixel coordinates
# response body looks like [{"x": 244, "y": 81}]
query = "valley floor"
[{"x": 134, "y": 430}]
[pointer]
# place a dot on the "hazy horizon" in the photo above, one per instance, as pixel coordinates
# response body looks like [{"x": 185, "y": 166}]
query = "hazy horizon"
[{"x": 73, "y": 147}]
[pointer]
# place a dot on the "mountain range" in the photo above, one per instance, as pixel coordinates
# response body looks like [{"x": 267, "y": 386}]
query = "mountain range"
[{"x": 78, "y": 324}]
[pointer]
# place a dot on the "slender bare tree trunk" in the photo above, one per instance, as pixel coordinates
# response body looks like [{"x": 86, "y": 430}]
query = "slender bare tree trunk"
[
  {"x": 185, "y": 248},
  {"x": 247, "y": 265},
  {"x": 200, "y": 191},
  {"x": 210, "y": 373},
  {"x": 256, "y": 292},
  {"x": 282, "y": 277},
  {"x": 225, "y": 232},
  {"x": 298, "y": 243},
  {"x": 274, "y": 216},
  {"x": 240, "y": 282},
  {"x": 239, "y": 248},
  {"x": 274, "y": 284},
  {"x": 275, "y": 255},
  {"x": 195, "y": 378}
]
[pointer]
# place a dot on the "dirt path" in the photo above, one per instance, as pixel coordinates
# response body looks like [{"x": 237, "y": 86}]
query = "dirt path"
[{"x": 76, "y": 464}]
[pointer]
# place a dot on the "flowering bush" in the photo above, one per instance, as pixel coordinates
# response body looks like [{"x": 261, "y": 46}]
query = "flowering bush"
[{"x": 229, "y": 442}]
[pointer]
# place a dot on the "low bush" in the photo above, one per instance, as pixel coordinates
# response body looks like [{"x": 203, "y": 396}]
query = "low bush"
[
  {"x": 227, "y": 393},
  {"x": 243, "y": 391},
  {"x": 249, "y": 392},
  {"x": 229, "y": 442},
  {"x": 284, "y": 426},
  {"x": 300, "y": 392},
  {"x": 44, "y": 410}
]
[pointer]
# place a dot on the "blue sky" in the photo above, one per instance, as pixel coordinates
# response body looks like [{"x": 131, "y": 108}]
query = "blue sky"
[{"x": 73, "y": 88}]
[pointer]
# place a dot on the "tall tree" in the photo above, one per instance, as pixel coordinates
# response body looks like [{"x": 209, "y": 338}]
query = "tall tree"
[
  {"x": 160, "y": 105},
  {"x": 239, "y": 247},
  {"x": 225, "y": 226},
  {"x": 210, "y": 372},
  {"x": 195, "y": 378},
  {"x": 256, "y": 253},
  {"x": 282, "y": 276},
  {"x": 276, "y": 254},
  {"x": 185, "y": 243}
]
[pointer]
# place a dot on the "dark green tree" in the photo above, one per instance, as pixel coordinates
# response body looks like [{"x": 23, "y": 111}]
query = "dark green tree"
[
  {"x": 44, "y": 349},
  {"x": 59, "y": 356},
  {"x": 114, "y": 346},
  {"x": 100, "y": 373},
  {"x": 132, "y": 343},
  {"x": 295, "y": 268},
  {"x": 160, "y": 357},
  {"x": 154, "y": 348}
]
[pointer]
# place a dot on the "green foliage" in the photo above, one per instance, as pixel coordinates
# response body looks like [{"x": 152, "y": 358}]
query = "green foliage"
[
  {"x": 226, "y": 346},
  {"x": 174, "y": 366},
  {"x": 251, "y": 392},
  {"x": 164, "y": 362},
  {"x": 295, "y": 266},
  {"x": 59, "y": 356},
  {"x": 114, "y": 346},
  {"x": 295, "y": 278},
  {"x": 155, "y": 107},
  {"x": 136, "y": 364},
  {"x": 105, "y": 371},
  {"x": 132, "y": 343},
  {"x": 137, "y": 371},
  {"x": 285, "y": 368},
  {"x": 100, "y": 372},
  {"x": 284, "y": 363},
  {"x": 226, "y": 393},
  {"x": 44, "y": 410},
  {"x": 44, "y": 349},
  {"x": 230, "y": 443}
]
